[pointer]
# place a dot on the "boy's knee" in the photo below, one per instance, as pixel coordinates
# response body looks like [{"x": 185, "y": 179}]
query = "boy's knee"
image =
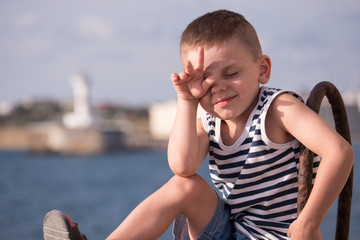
[{"x": 194, "y": 198}]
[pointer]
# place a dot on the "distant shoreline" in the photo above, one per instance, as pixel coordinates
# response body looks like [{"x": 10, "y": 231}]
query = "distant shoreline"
[{"x": 14, "y": 138}]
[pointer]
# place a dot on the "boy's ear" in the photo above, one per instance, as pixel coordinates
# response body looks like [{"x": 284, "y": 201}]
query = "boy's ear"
[{"x": 265, "y": 69}]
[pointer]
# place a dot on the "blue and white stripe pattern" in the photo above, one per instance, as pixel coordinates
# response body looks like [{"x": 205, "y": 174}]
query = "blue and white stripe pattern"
[{"x": 257, "y": 177}]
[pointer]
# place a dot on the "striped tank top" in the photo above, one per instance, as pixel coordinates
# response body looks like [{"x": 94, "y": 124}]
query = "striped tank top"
[{"x": 256, "y": 177}]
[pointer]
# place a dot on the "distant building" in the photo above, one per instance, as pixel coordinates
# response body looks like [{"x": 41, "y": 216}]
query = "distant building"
[
  {"x": 6, "y": 108},
  {"x": 161, "y": 118},
  {"x": 51, "y": 137},
  {"x": 81, "y": 116},
  {"x": 79, "y": 133}
]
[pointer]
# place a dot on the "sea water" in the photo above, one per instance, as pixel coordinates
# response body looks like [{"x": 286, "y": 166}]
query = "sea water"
[{"x": 98, "y": 191}]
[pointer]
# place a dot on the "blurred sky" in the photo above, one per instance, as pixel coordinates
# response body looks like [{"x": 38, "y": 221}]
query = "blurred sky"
[{"x": 129, "y": 48}]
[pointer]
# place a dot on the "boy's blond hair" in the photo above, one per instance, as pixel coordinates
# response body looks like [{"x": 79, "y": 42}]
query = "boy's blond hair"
[{"x": 216, "y": 27}]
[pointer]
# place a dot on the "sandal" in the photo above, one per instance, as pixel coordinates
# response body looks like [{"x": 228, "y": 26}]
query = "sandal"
[{"x": 59, "y": 226}]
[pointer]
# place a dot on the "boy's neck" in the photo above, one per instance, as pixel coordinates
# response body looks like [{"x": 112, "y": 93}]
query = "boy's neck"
[{"x": 231, "y": 130}]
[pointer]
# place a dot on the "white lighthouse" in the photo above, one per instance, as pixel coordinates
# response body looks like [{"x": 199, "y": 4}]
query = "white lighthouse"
[{"x": 81, "y": 116}]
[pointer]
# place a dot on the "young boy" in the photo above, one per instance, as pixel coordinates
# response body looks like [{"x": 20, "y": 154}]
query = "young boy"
[{"x": 252, "y": 136}]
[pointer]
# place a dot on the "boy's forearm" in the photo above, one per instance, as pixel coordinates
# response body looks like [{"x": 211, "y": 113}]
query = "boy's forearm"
[
  {"x": 331, "y": 177},
  {"x": 183, "y": 143}
]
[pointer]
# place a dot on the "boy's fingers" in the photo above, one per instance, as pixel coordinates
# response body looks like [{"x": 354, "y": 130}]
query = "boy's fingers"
[
  {"x": 174, "y": 77},
  {"x": 183, "y": 75},
  {"x": 206, "y": 84},
  {"x": 189, "y": 69},
  {"x": 200, "y": 59},
  {"x": 289, "y": 231}
]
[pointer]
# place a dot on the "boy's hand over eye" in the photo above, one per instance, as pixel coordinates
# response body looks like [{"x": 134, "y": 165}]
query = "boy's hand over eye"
[{"x": 190, "y": 83}]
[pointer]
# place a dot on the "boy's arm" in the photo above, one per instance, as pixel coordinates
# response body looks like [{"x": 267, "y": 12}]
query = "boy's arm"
[
  {"x": 188, "y": 143},
  {"x": 337, "y": 159}
]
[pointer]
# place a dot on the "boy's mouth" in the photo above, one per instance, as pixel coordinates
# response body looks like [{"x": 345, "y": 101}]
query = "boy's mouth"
[{"x": 222, "y": 102}]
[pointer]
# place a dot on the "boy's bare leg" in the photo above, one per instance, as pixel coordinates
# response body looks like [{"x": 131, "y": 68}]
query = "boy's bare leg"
[{"x": 190, "y": 196}]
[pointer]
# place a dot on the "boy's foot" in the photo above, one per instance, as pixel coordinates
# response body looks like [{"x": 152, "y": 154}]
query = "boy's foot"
[{"x": 59, "y": 226}]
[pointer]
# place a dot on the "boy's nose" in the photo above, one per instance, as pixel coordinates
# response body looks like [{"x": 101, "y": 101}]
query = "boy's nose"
[{"x": 218, "y": 86}]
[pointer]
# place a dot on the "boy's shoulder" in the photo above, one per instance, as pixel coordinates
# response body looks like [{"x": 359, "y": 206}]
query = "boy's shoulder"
[
  {"x": 274, "y": 92},
  {"x": 281, "y": 105}
]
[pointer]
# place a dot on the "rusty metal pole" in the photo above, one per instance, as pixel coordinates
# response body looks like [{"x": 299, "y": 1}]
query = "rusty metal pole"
[{"x": 306, "y": 157}]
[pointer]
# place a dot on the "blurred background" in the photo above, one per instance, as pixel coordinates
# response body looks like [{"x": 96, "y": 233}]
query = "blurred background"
[
  {"x": 86, "y": 102},
  {"x": 130, "y": 48}
]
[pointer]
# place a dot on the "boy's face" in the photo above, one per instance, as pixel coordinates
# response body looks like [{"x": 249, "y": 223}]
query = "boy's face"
[{"x": 236, "y": 79}]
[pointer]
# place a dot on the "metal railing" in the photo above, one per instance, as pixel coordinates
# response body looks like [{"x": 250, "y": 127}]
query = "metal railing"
[{"x": 306, "y": 157}]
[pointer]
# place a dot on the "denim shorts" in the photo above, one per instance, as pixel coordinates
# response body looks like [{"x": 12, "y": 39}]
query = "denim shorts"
[{"x": 219, "y": 228}]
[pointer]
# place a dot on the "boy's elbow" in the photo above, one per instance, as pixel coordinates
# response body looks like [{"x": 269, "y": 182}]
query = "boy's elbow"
[
  {"x": 347, "y": 153},
  {"x": 181, "y": 169},
  {"x": 184, "y": 173},
  {"x": 350, "y": 154}
]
